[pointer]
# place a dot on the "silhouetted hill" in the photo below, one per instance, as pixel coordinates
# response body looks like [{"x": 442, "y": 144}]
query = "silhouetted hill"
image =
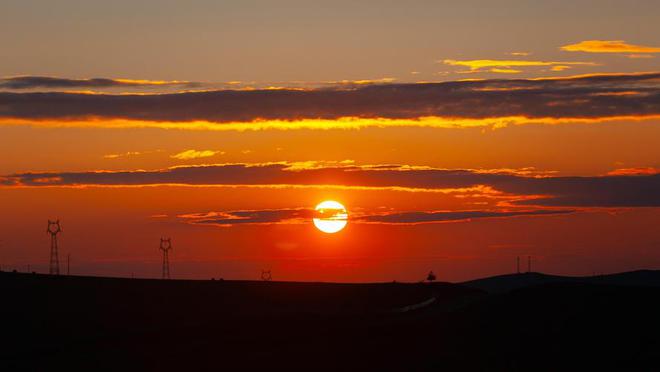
[
  {"x": 92, "y": 324},
  {"x": 562, "y": 326},
  {"x": 508, "y": 282},
  {"x": 632, "y": 278},
  {"x": 159, "y": 325}
]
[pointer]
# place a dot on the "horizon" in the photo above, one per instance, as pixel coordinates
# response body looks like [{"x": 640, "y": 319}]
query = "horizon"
[{"x": 275, "y": 280}]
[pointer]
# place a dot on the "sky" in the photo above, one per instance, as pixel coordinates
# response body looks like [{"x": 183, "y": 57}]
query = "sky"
[{"x": 458, "y": 135}]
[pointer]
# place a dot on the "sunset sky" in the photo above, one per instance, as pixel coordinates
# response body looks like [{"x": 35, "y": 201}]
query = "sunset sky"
[{"x": 458, "y": 135}]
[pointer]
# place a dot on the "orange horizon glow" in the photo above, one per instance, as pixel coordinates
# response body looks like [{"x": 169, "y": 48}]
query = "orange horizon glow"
[{"x": 353, "y": 143}]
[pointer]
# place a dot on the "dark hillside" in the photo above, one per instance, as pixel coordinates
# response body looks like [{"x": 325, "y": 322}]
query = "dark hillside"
[
  {"x": 82, "y": 323},
  {"x": 508, "y": 282},
  {"x": 155, "y": 324}
]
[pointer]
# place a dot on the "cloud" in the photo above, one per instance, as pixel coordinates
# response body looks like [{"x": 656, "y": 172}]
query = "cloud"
[
  {"x": 559, "y": 98},
  {"x": 559, "y": 68},
  {"x": 129, "y": 153},
  {"x": 384, "y": 80},
  {"x": 96, "y": 85},
  {"x": 505, "y": 71},
  {"x": 252, "y": 217},
  {"x": 195, "y": 154},
  {"x": 435, "y": 217},
  {"x": 595, "y": 191},
  {"x": 494, "y": 64},
  {"x": 634, "y": 171},
  {"x": 31, "y": 82},
  {"x": 304, "y": 215},
  {"x": 608, "y": 46},
  {"x": 123, "y": 155}
]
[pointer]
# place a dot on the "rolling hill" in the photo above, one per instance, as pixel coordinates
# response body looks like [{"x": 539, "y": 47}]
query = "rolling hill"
[
  {"x": 545, "y": 323},
  {"x": 509, "y": 282}
]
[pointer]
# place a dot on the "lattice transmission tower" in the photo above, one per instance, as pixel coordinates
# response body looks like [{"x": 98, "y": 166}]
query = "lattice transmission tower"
[
  {"x": 54, "y": 228},
  {"x": 166, "y": 247}
]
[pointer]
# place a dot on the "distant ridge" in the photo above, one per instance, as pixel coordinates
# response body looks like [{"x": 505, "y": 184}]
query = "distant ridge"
[{"x": 509, "y": 282}]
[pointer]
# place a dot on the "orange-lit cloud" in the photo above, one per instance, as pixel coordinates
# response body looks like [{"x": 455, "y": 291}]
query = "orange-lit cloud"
[
  {"x": 195, "y": 154},
  {"x": 116, "y": 156},
  {"x": 559, "y": 68},
  {"x": 634, "y": 171},
  {"x": 48, "y": 180},
  {"x": 128, "y": 154},
  {"x": 344, "y": 123},
  {"x": 361, "y": 81},
  {"x": 505, "y": 71},
  {"x": 609, "y": 46},
  {"x": 480, "y": 64}
]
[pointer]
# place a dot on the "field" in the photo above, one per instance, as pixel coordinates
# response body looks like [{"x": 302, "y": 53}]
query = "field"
[{"x": 88, "y": 323}]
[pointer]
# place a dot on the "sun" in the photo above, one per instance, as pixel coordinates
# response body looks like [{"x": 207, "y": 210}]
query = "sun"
[{"x": 331, "y": 217}]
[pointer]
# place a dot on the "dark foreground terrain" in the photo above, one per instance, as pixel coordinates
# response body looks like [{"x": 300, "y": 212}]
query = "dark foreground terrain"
[{"x": 524, "y": 323}]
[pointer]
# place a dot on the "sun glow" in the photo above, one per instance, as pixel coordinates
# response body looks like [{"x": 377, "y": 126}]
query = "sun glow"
[{"x": 331, "y": 217}]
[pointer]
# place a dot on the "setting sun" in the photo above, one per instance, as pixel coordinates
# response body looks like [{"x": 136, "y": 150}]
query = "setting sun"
[{"x": 331, "y": 217}]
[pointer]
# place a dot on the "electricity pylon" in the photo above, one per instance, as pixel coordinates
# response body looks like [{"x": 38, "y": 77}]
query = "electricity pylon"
[
  {"x": 266, "y": 275},
  {"x": 166, "y": 247},
  {"x": 54, "y": 228}
]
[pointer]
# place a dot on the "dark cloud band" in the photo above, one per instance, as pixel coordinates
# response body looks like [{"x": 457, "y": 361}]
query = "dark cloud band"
[
  {"x": 598, "y": 96},
  {"x": 597, "y": 191},
  {"x": 431, "y": 217},
  {"x": 33, "y": 82},
  {"x": 276, "y": 216},
  {"x": 264, "y": 216}
]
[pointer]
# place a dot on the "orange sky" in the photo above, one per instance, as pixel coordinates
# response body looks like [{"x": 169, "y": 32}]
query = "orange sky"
[{"x": 455, "y": 146}]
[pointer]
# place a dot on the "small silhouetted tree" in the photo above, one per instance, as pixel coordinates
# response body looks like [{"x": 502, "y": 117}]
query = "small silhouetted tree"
[{"x": 430, "y": 277}]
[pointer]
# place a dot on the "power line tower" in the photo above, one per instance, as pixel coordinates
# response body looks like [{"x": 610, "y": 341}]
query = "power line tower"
[
  {"x": 54, "y": 228},
  {"x": 166, "y": 247},
  {"x": 266, "y": 275}
]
